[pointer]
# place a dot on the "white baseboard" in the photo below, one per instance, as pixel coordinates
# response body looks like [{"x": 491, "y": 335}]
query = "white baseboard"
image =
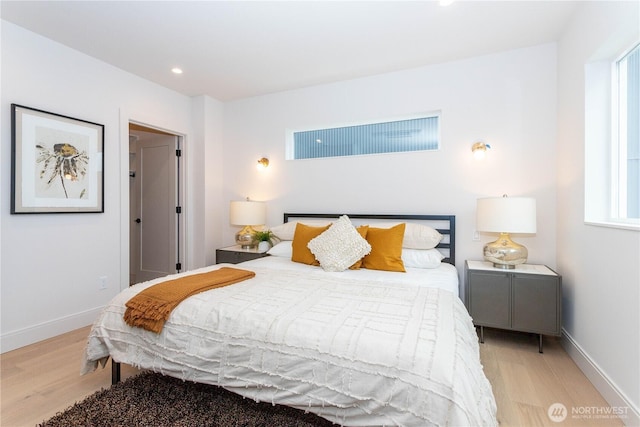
[
  {"x": 32, "y": 334},
  {"x": 601, "y": 381}
]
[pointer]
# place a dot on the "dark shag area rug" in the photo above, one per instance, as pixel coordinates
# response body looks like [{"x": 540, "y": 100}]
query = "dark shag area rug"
[{"x": 150, "y": 399}]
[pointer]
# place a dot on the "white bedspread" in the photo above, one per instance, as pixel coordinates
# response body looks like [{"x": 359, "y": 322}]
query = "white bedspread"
[{"x": 357, "y": 352}]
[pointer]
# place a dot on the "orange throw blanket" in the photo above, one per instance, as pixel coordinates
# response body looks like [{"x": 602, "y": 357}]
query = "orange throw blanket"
[{"x": 151, "y": 308}]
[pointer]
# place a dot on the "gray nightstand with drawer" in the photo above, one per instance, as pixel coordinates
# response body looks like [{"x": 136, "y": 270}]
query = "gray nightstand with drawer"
[
  {"x": 235, "y": 254},
  {"x": 526, "y": 299}
]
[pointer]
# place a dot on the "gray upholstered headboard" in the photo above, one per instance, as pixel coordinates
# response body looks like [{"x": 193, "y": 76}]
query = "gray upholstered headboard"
[{"x": 445, "y": 224}]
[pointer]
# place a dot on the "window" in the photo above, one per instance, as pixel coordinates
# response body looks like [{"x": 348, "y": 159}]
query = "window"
[
  {"x": 416, "y": 134},
  {"x": 626, "y": 140},
  {"x": 612, "y": 139}
]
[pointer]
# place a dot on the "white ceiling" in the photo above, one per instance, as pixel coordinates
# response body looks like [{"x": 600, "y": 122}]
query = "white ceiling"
[{"x": 236, "y": 49}]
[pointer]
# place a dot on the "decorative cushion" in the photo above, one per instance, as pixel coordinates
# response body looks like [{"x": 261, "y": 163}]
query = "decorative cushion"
[
  {"x": 303, "y": 234},
  {"x": 421, "y": 258},
  {"x": 282, "y": 249},
  {"x": 287, "y": 230},
  {"x": 386, "y": 249},
  {"x": 416, "y": 236},
  {"x": 340, "y": 246},
  {"x": 362, "y": 229}
]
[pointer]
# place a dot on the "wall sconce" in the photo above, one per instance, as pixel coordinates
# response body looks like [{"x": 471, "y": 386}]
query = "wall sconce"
[
  {"x": 263, "y": 163},
  {"x": 479, "y": 150}
]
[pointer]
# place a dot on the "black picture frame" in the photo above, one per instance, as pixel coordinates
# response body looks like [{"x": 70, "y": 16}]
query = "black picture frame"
[{"x": 57, "y": 163}]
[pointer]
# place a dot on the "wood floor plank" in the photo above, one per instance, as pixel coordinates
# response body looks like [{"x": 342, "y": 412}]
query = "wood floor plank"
[
  {"x": 39, "y": 380},
  {"x": 526, "y": 383}
]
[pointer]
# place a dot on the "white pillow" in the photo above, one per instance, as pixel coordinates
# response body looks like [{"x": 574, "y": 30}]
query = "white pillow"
[
  {"x": 282, "y": 249},
  {"x": 287, "y": 230},
  {"x": 340, "y": 246},
  {"x": 416, "y": 236},
  {"x": 422, "y": 258}
]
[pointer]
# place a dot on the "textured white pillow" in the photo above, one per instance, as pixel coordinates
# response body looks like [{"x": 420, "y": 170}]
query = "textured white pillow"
[
  {"x": 416, "y": 236},
  {"x": 282, "y": 249},
  {"x": 422, "y": 258},
  {"x": 340, "y": 246},
  {"x": 287, "y": 230}
]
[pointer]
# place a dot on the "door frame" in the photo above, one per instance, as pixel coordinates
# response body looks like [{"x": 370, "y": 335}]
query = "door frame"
[{"x": 182, "y": 238}]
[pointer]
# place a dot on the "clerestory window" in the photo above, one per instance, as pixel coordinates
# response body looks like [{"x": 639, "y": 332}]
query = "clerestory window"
[{"x": 415, "y": 134}]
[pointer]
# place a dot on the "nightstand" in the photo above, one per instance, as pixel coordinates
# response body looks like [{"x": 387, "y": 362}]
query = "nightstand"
[
  {"x": 527, "y": 298},
  {"x": 235, "y": 254}
]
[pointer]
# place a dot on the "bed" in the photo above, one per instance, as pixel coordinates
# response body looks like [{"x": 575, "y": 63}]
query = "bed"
[{"x": 357, "y": 347}]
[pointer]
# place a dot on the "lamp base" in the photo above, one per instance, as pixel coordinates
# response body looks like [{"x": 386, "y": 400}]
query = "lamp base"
[
  {"x": 505, "y": 253},
  {"x": 244, "y": 238}
]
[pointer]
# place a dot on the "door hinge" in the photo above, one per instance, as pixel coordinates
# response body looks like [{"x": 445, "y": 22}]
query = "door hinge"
[
  {"x": 178, "y": 266},
  {"x": 178, "y": 209},
  {"x": 178, "y": 153}
]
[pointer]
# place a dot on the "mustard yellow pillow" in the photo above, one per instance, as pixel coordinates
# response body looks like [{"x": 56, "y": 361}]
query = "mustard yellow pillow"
[
  {"x": 386, "y": 249},
  {"x": 363, "y": 232},
  {"x": 301, "y": 237}
]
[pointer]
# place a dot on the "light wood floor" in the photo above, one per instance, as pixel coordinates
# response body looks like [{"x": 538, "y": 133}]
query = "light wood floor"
[
  {"x": 42, "y": 379},
  {"x": 526, "y": 383}
]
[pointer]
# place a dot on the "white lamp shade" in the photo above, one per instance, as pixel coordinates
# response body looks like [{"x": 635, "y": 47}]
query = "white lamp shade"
[
  {"x": 247, "y": 213},
  {"x": 506, "y": 215}
]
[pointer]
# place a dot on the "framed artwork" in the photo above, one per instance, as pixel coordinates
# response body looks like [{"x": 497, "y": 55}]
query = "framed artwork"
[{"x": 57, "y": 163}]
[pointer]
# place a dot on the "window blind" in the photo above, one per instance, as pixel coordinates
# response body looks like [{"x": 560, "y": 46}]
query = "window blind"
[{"x": 387, "y": 137}]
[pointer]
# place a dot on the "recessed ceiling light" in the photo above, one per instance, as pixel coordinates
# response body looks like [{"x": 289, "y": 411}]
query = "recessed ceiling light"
[{"x": 176, "y": 70}]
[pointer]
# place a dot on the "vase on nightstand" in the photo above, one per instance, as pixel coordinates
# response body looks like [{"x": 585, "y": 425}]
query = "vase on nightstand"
[{"x": 264, "y": 246}]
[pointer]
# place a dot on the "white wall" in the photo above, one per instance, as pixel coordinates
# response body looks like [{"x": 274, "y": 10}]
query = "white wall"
[
  {"x": 51, "y": 263},
  {"x": 600, "y": 266},
  {"x": 207, "y": 210},
  {"x": 508, "y": 100}
]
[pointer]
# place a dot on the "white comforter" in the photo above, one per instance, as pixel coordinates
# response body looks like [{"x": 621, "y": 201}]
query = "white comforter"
[{"x": 357, "y": 352}]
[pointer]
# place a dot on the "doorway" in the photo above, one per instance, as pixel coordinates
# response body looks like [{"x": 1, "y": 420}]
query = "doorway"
[{"x": 155, "y": 205}]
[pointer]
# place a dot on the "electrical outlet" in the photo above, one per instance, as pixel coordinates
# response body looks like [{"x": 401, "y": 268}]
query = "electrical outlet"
[
  {"x": 102, "y": 282},
  {"x": 476, "y": 236}
]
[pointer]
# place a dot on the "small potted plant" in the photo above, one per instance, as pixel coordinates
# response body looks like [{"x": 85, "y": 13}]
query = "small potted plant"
[{"x": 265, "y": 239}]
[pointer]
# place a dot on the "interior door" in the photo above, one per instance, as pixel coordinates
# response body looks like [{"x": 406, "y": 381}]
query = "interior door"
[{"x": 156, "y": 218}]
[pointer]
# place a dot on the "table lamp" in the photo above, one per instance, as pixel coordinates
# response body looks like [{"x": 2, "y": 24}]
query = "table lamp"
[
  {"x": 506, "y": 215},
  {"x": 247, "y": 214}
]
